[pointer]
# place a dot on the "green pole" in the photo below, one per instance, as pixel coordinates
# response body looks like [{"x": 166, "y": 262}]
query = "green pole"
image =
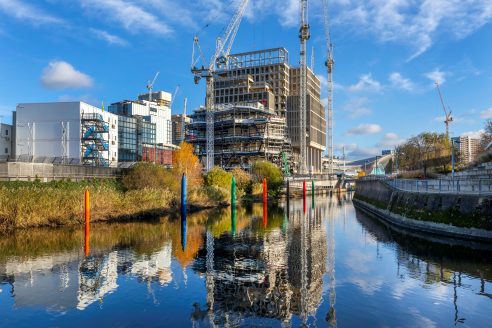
[
  {"x": 312, "y": 192},
  {"x": 233, "y": 206},
  {"x": 233, "y": 192}
]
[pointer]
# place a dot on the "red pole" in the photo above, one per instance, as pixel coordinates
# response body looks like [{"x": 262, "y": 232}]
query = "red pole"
[
  {"x": 87, "y": 221},
  {"x": 304, "y": 194}
]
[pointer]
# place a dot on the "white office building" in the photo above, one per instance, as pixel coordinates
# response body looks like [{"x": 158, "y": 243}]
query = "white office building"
[
  {"x": 156, "y": 111},
  {"x": 66, "y": 132}
]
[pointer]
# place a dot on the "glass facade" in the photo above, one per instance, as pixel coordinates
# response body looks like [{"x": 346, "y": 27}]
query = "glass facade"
[{"x": 133, "y": 133}]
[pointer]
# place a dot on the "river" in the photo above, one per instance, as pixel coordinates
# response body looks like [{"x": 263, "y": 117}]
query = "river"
[{"x": 331, "y": 265}]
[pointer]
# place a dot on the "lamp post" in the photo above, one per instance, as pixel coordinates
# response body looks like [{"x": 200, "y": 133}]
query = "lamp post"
[{"x": 452, "y": 156}]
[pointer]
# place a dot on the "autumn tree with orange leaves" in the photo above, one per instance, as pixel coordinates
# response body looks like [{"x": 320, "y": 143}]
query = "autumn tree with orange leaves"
[{"x": 184, "y": 161}]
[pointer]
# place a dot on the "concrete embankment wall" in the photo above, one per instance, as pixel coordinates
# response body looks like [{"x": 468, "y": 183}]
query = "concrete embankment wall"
[
  {"x": 468, "y": 216},
  {"x": 47, "y": 172}
]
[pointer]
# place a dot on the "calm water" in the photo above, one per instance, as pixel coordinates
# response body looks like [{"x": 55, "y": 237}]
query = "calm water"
[{"x": 331, "y": 266}]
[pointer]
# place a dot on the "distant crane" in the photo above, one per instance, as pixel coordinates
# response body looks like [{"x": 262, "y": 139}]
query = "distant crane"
[
  {"x": 448, "y": 118},
  {"x": 174, "y": 96},
  {"x": 207, "y": 70},
  {"x": 183, "y": 121},
  {"x": 150, "y": 86},
  {"x": 329, "y": 65},
  {"x": 304, "y": 36}
]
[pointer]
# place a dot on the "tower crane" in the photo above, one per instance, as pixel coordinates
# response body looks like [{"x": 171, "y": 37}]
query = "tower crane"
[
  {"x": 174, "y": 96},
  {"x": 329, "y": 63},
  {"x": 304, "y": 36},
  {"x": 448, "y": 118},
  {"x": 150, "y": 85},
  {"x": 183, "y": 121},
  {"x": 207, "y": 71}
]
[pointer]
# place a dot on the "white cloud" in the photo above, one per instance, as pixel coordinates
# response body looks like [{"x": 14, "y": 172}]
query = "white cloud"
[
  {"x": 436, "y": 76},
  {"x": 474, "y": 134},
  {"x": 365, "y": 83},
  {"x": 109, "y": 38},
  {"x": 414, "y": 23},
  {"x": 364, "y": 152},
  {"x": 486, "y": 114},
  {"x": 357, "y": 107},
  {"x": 24, "y": 11},
  {"x": 365, "y": 129},
  {"x": 400, "y": 82},
  {"x": 391, "y": 140},
  {"x": 62, "y": 75},
  {"x": 129, "y": 15},
  {"x": 174, "y": 11}
]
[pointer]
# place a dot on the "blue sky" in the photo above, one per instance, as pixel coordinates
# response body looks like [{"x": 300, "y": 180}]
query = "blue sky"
[{"x": 387, "y": 56}]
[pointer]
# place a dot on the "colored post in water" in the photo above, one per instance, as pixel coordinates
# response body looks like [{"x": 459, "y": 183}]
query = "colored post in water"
[
  {"x": 312, "y": 193},
  {"x": 233, "y": 206},
  {"x": 183, "y": 197},
  {"x": 87, "y": 222},
  {"x": 304, "y": 195},
  {"x": 183, "y": 234},
  {"x": 265, "y": 214},
  {"x": 264, "y": 190},
  {"x": 233, "y": 192}
]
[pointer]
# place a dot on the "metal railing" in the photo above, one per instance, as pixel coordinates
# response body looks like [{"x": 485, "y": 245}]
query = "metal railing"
[{"x": 461, "y": 186}]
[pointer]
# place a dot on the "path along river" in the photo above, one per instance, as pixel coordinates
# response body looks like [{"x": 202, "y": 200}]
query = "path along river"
[{"x": 331, "y": 265}]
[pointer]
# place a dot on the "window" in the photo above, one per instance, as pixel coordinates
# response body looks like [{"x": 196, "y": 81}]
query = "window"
[
  {"x": 6, "y": 132},
  {"x": 6, "y": 150}
]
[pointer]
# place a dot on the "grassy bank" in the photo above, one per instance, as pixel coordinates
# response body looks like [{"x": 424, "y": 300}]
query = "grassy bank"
[{"x": 34, "y": 204}]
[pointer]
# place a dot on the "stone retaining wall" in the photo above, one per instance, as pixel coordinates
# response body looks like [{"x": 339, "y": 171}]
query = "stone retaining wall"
[{"x": 466, "y": 211}]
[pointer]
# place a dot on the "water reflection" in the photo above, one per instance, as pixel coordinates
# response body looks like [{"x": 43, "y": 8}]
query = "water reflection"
[{"x": 256, "y": 265}]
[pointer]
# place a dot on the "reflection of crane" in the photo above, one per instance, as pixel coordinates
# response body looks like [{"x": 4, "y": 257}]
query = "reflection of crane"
[
  {"x": 150, "y": 86},
  {"x": 207, "y": 71},
  {"x": 448, "y": 118},
  {"x": 331, "y": 316},
  {"x": 304, "y": 35},
  {"x": 329, "y": 64}
]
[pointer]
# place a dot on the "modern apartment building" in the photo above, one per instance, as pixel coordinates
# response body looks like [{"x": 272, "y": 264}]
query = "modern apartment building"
[{"x": 467, "y": 147}]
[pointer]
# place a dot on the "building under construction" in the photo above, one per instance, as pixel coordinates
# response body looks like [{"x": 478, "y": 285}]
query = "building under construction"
[
  {"x": 244, "y": 133},
  {"x": 257, "y": 113},
  {"x": 315, "y": 120}
]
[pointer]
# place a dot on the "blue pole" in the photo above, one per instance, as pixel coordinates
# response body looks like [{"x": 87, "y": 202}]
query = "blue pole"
[{"x": 183, "y": 197}]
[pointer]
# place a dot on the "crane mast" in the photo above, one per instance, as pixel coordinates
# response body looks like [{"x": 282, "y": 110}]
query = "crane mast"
[
  {"x": 304, "y": 35},
  {"x": 219, "y": 60},
  {"x": 329, "y": 65},
  {"x": 448, "y": 118},
  {"x": 150, "y": 86}
]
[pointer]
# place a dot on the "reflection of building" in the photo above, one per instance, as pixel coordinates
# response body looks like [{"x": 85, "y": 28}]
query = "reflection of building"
[
  {"x": 63, "y": 281},
  {"x": 274, "y": 275}
]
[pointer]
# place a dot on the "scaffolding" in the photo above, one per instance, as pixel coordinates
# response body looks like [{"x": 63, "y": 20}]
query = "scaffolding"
[
  {"x": 244, "y": 133},
  {"x": 95, "y": 136}
]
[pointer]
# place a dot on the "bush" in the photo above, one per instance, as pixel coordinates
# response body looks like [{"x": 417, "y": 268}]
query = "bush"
[
  {"x": 272, "y": 173},
  {"x": 145, "y": 175},
  {"x": 219, "y": 178},
  {"x": 243, "y": 179}
]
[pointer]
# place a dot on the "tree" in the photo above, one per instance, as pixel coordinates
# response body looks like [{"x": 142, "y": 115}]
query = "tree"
[
  {"x": 184, "y": 161},
  {"x": 270, "y": 171},
  {"x": 486, "y": 136},
  {"x": 219, "y": 178},
  {"x": 145, "y": 175}
]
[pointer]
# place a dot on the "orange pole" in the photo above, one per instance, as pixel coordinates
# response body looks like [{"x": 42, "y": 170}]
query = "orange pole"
[{"x": 87, "y": 221}]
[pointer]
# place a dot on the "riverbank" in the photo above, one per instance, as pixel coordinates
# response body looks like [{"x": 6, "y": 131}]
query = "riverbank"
[
  {"x": 57, "y": 203},
  {"x": 454, "y": 215}
]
